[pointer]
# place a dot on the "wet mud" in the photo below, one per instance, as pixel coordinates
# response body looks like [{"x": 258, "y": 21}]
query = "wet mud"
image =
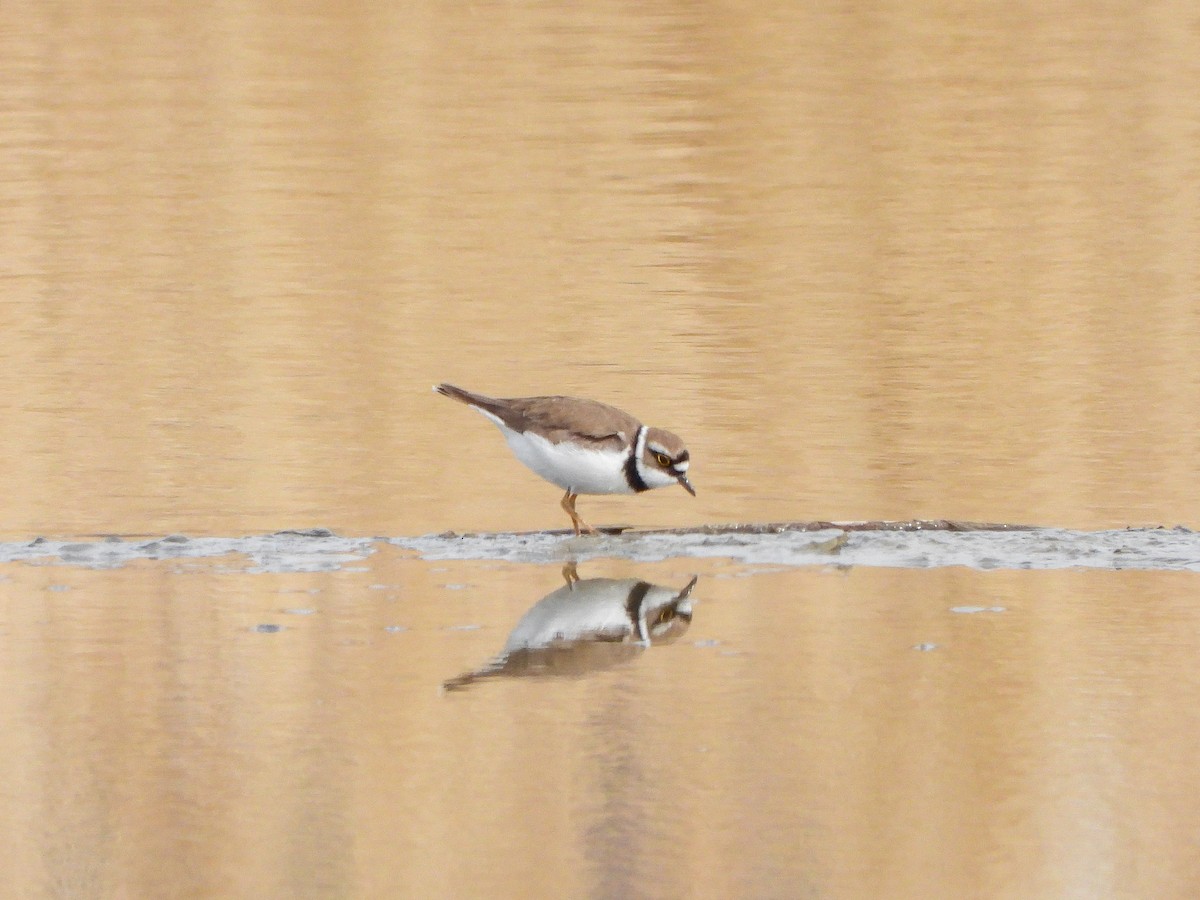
[{"x": 908, "y": 544}]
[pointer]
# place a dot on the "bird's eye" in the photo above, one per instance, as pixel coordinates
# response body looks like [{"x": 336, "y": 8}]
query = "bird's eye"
[{"x": 663, "y": 460}]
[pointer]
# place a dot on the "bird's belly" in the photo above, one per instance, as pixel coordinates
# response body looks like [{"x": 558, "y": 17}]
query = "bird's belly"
[{"x": 580, "y": 470}]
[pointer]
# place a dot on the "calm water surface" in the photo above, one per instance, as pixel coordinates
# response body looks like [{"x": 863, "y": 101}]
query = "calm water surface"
[
  {"x": 912, "y": 262},
  {"x": 869, "y": 732}
]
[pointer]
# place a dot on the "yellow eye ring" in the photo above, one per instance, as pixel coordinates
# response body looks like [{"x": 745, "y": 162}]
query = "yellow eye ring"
[{"x": 663, "y": 460}]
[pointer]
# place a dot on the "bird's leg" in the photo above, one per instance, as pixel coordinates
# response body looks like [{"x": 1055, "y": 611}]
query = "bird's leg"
[
  {"x": 570, "y": 574},
  {"x": 568, "y": 503}
]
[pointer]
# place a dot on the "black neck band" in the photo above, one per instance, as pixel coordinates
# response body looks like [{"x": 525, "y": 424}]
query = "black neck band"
[{"x": 632, "y": 476}]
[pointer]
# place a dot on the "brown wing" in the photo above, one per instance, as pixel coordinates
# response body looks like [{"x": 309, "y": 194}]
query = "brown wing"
[
  {"x": 559, "y": 418},
  {"x": 586, "y": 419}
]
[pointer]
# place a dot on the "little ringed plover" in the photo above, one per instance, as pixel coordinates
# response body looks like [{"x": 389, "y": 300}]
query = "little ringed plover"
[{"x": 583, "y": 446}]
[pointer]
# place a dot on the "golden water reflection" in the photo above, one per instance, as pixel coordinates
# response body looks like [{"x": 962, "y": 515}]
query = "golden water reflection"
[
  {"x": 914, "y": 262},
  {"x": 795, "y": 739}
]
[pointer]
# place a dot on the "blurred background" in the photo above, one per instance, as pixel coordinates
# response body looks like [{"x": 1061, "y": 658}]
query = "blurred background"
[
  {"x": 871, "y": 260},
  {"x": 915, "y": 260}
]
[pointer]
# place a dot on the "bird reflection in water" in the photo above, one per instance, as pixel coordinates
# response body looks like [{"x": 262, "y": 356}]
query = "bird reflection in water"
[{"x": 589, "y": 625}]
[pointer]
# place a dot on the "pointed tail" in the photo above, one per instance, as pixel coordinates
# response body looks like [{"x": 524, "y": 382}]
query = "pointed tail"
[{"x": 457, "y": 393}]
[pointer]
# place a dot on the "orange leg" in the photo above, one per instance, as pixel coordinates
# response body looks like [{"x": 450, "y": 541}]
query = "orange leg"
[{"x": 568, "y": 503}]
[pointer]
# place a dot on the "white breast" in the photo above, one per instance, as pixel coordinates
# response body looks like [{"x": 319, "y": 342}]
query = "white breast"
[{"x": 580, "y": 470}]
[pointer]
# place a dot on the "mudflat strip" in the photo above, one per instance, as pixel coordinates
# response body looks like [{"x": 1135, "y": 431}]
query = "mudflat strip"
[{"x": 914, "y": 544}]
